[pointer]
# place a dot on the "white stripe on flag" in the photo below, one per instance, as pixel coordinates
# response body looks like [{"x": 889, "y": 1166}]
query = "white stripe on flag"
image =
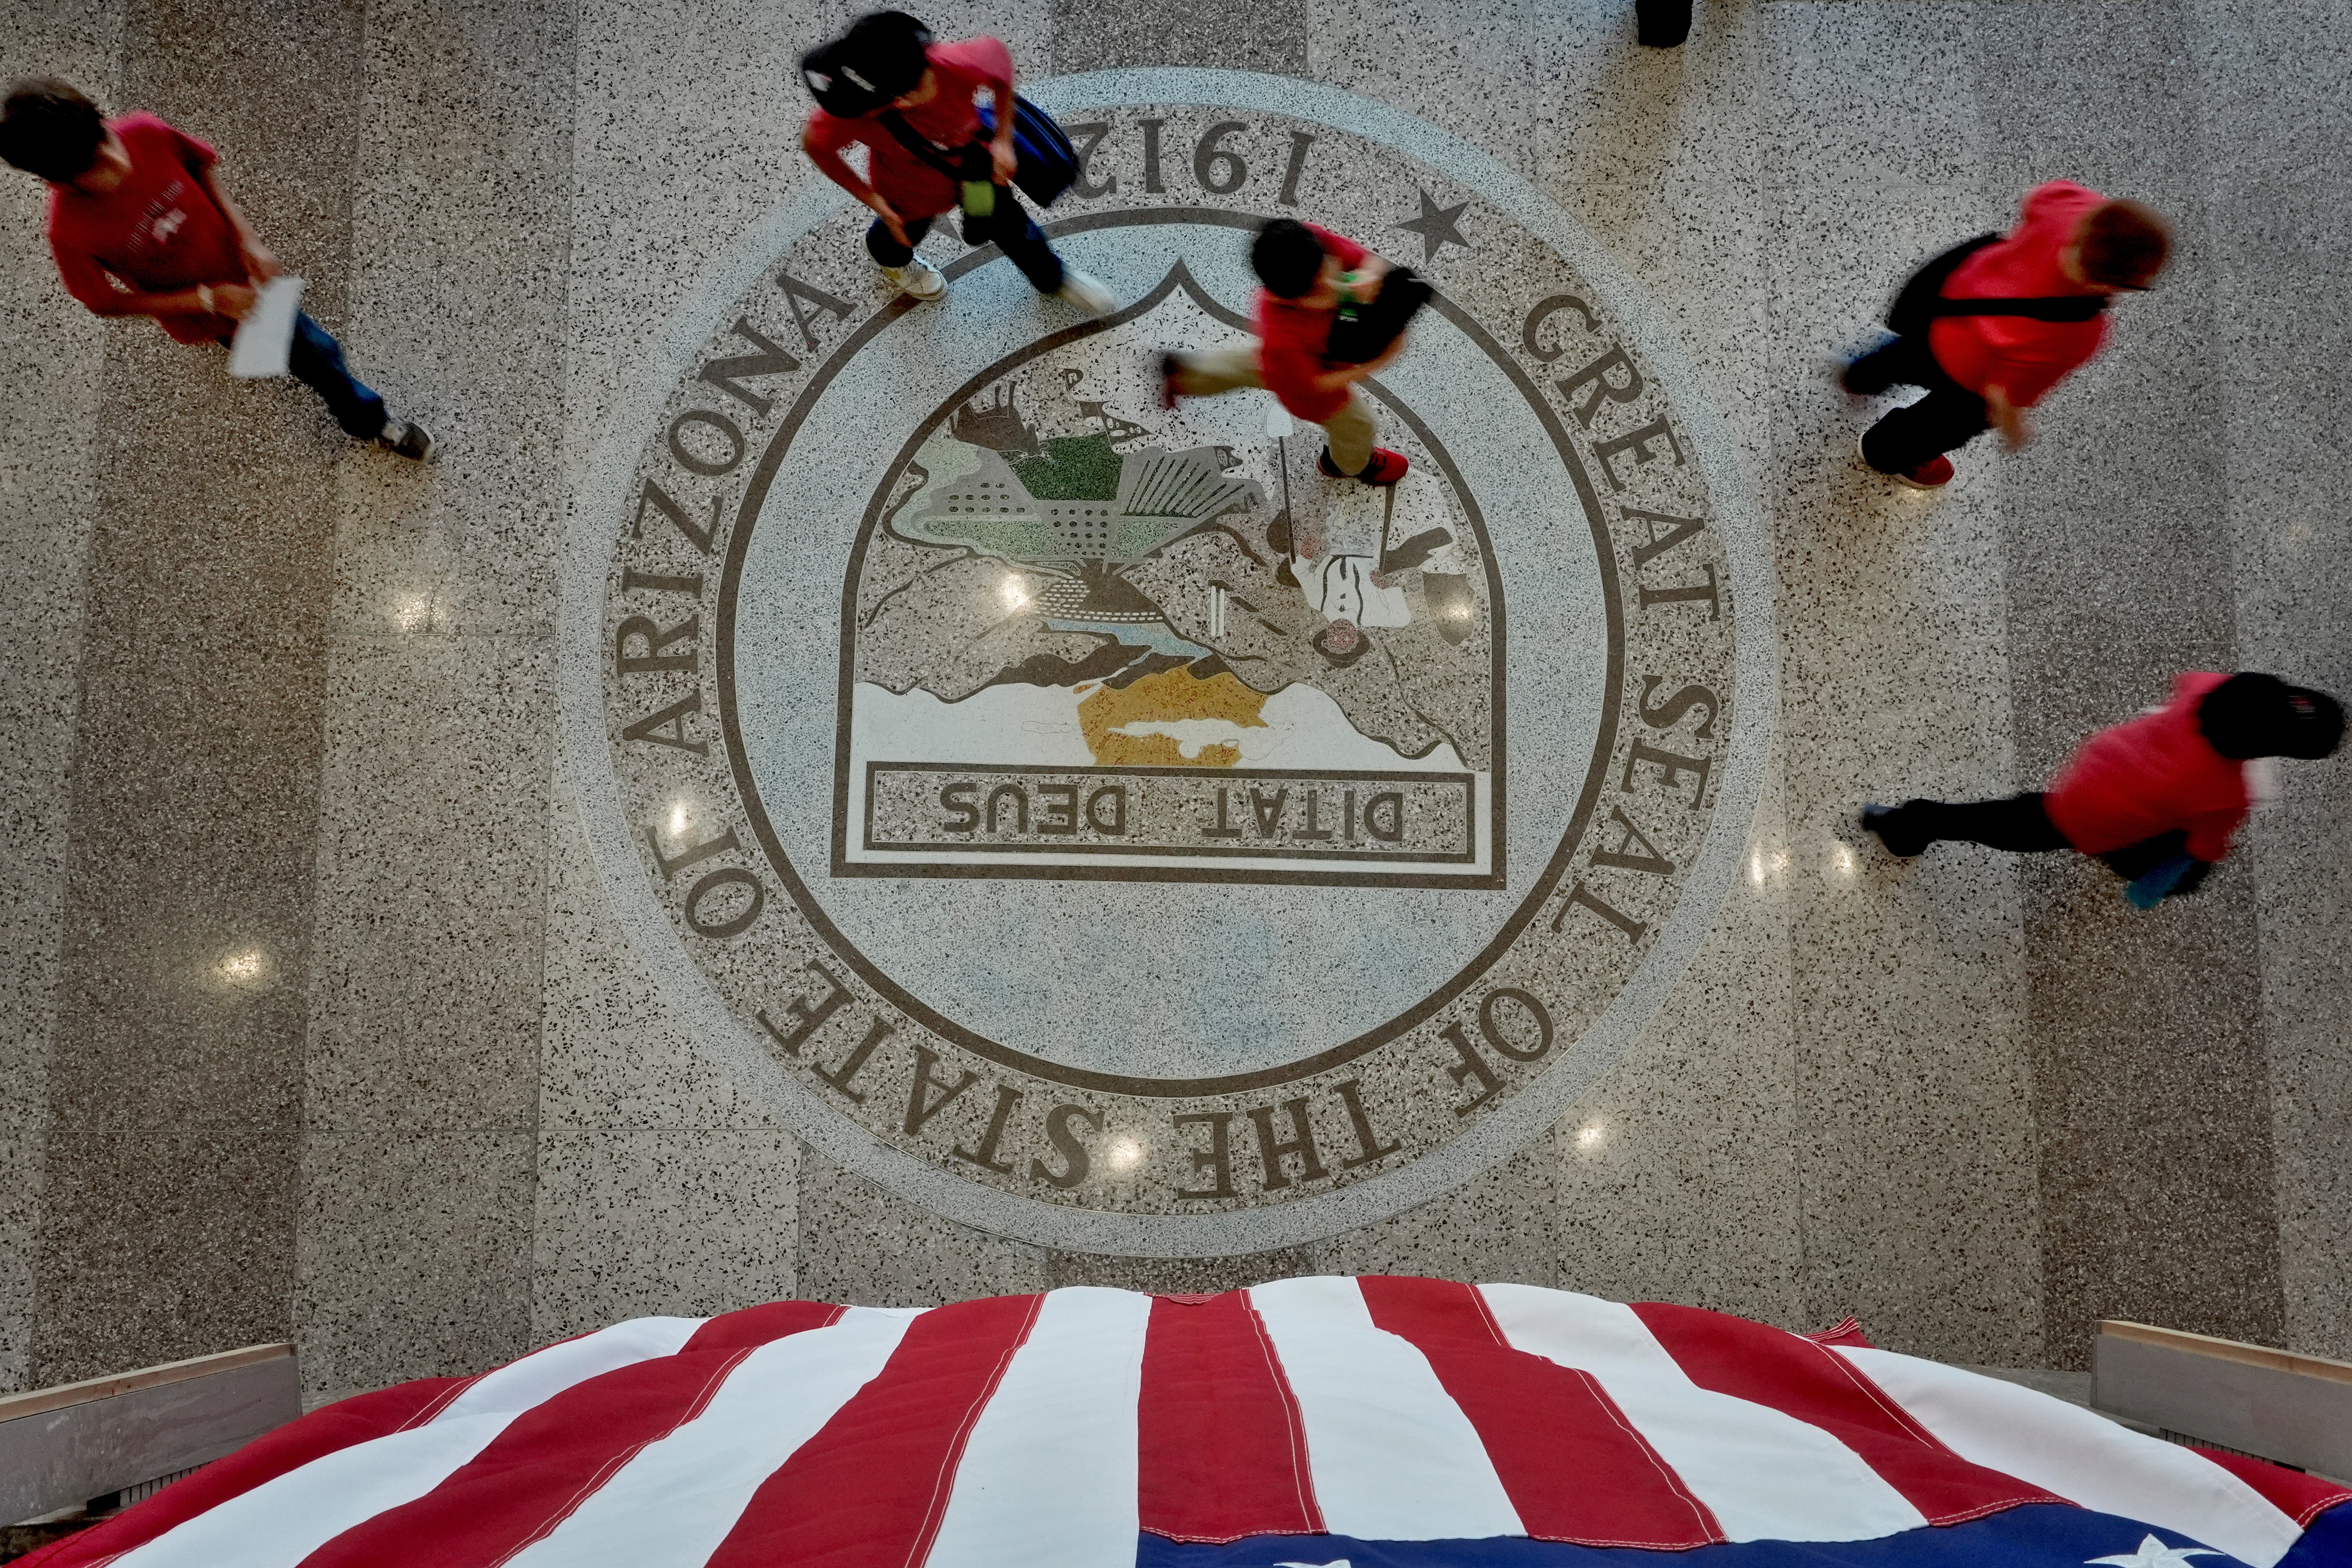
[
  {"x": 1393, "y": 1457},
  {"x": 1049, "y": 1476},
  {"x": 283, "y": 1520},
  {"x": 678, "y": 1498},
  {"x": 2084, "y": 1458},
  {"x": 1767, "y": 1474}
]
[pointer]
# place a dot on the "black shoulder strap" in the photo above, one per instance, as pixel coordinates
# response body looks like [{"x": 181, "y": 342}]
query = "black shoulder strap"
[
  {"x": 920, "y": 146},
  {"x": 2041, "y": 308}
]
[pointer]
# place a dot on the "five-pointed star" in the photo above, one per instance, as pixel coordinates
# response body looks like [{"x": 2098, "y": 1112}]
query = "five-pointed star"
[
  {"x": 2155, "y": 1553},
  {"x": 1436, "y": 228}
]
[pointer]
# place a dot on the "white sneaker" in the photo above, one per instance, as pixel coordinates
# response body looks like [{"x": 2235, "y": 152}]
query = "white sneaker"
[
  {"x": 407, "y": 438},
  {"x": 917, "y": 277},
  {"x": 1087, "y": 293}
]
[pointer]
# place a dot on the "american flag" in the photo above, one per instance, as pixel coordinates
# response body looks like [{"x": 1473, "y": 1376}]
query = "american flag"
[{"x": 1319, "y": 1422}]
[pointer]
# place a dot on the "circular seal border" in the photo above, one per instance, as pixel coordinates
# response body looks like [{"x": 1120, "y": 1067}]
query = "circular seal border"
[
  {"x": 1539, "y": 891},
  {"x": 583, "y": 768}
]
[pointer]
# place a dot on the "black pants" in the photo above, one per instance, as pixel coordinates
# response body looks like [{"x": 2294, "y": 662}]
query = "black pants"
[
  {"x": 1010, "y": 227},
  {"x": 2021, "y": 824},
  {"x": 2018, "y": 823},
  {"x": 1662, "y": 23},
  {"x": 1948, "y": 418},
  {"x": 315, "y": 358}
]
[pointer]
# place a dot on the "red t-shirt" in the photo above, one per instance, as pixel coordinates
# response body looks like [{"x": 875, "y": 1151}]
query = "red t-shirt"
[
  {"x": 2152, "y": 774},
  {"x": 950, "y": 120},
  {"x": 2025, "y": 356},
  {"x": 1291, "y": 338},
  {"x": 157, "y": 231}
]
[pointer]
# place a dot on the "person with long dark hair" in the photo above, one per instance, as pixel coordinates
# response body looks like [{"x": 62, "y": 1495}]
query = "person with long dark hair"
[{"x": 914, "y": 105}]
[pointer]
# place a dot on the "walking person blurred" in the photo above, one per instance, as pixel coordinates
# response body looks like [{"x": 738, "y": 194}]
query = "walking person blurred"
[
  {"x": 2158, "y": 797},
  {"x": 1992, "y": 324},
  {"x": 931, "y": 149},
  {"x": 1329, "y": 315},
  {"x": 140, "y": 226}
]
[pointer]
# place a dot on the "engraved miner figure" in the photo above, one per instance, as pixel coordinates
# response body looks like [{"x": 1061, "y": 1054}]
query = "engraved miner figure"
[
  {"x": 1330, "y": 314},
  {"x": 140, "y": 227},
  {"x": 931, "y": 148},
  {"x": 1993, "y": 323},
  {"x": 2158, "y": 797}
]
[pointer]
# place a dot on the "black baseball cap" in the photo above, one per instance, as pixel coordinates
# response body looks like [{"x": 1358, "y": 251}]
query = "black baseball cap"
[
  {"x": 880, "y": 57},
  {"x": 2252, "y": 715}
]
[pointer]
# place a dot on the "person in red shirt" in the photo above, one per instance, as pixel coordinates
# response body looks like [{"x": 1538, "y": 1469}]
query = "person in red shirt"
[
  {"x": 1306, "y": 273},
  {"x": 888, "y": 61},
  {"x": 140, "y": 227},
  {"x": 2167, "y": 788},
  {"x": 2071, "y": 251}
]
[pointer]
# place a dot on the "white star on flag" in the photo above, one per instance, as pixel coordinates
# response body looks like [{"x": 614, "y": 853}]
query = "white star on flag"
[{"x": 2155, "y": 1553}]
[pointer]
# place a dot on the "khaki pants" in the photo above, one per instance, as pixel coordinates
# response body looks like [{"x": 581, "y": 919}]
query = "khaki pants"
[{"x": 1205, "y": 372}]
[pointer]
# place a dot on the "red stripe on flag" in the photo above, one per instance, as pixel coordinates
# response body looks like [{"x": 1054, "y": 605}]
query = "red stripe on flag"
[
  {"x": 757, "y": 1326},
  {"x": 1573, "y": 1466},
  {"x": 322, "y": 1432},
  {"x": 554, "y": 1455},
  {"x": 869, "y": 1490},
  {"x": 1791, "y": 1374},
  {"x": 1222, "y": 1449},
  {"x": 2300, "y": 1497}
]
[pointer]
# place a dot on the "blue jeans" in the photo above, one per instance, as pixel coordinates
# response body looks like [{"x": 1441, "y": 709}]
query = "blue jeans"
[
  {"x": 1014, "y": 232},
  {"x": 318, "y": 360}
]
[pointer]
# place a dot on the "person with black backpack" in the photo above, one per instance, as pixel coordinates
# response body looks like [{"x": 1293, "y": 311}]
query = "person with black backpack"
[
  {"x": 1330, "y": 314},
  {"x": 932, "y": 149},
  {"x": 1992, "y": 324}
]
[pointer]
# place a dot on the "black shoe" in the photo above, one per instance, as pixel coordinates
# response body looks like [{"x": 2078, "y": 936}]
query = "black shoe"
[
  {"x": 1882, "y": 820},
  {"x": 1168, "y": 369},
  {"x": 406, "y": 438},
  {"x": 1662, "y": 23}
]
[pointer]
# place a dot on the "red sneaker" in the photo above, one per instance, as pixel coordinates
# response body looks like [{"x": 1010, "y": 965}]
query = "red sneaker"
[
  {"x": 1385, "y": 468},
  {"x": 1932, "y": 475}
]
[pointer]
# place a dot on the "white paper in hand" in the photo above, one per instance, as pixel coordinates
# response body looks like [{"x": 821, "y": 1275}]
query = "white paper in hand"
[
  {"x": 1277, "y": 419},
  {"x": 267, "y": 333}
]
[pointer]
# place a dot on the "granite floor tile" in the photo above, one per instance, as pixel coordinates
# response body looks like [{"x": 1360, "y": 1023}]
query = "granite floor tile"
[
  {"x": 172, "y": 1242},
  {"x": 1235, "y": 34},
  {"x": 461, "y": 225},
  {"x": 1178, "y": 1276},
  {"x": 2118, "y": 534},
  {"x": 1657, "y": 153},
  {"x": 193, "y": 805},
  {"x": 431, "y": 900},
  {"x": 1676, "y": 1176},
  {"x": 637, "y": 1224},
  {"x": 187, "y": 920},
  {"x": 663, "y": 180},
  {"x": 1499, "y": 1226},
  {"x": 271, "y": 91},
  {"x": 2157, "y": 1181},
  {"x": 49, "y": 421},
  {"x": 415, "y": 1256},
  {"x": 612, "y": 1054},
  {"x": 868, "y": 1247},
  {"x": 2280, "y": 242},
  {"x": 1913, "y": 1133},
  {"x": 1468, "y": 68}
]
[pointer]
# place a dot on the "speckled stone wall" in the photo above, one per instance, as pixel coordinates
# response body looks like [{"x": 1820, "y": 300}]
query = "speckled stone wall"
[{"x": 289, "y": 698}]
